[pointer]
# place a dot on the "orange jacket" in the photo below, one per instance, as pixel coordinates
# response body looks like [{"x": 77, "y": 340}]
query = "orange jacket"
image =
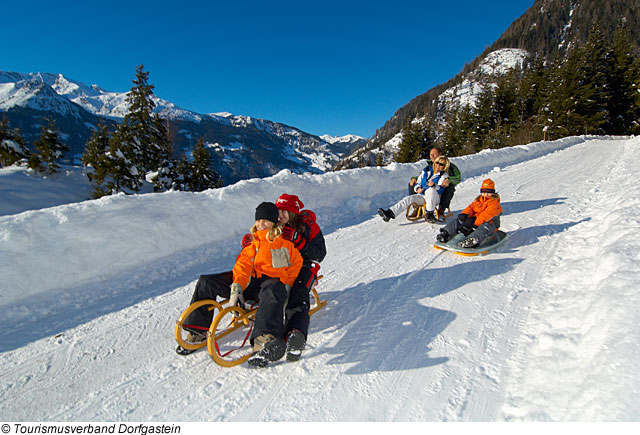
[
  {"x": 484, "y": 209},
  {"x": 276, "y": 259}
]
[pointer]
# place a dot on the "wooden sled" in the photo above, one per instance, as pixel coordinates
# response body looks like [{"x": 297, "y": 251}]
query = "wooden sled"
[
  {"x": 230, "y": 331},
  {"x": 416, "y": 212},
  {"x": 491, "y": 243}
]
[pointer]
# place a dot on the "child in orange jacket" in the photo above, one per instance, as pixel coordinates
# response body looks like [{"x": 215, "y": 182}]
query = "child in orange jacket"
[
  {"x": 265, "y": 271},
  {"x": 478, "y": 221}
]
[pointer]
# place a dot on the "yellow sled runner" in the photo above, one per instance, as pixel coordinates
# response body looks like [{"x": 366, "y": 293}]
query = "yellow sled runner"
[
  {"x": 229, "y": 333},
  {"x": 416, "y": 212}
]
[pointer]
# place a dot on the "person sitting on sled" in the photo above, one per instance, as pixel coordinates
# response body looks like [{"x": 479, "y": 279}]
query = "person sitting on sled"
[
  {"x": 478, "y": 221},
  {"x": 265, "y": 271},
  {"x": 301, "y": 228},
  {"x": 455, "y": 177},
  {"x": 428, "y": 188}
]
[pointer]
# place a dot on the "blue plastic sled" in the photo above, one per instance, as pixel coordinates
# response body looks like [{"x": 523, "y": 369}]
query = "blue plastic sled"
[{"x": 491, "y": 243}]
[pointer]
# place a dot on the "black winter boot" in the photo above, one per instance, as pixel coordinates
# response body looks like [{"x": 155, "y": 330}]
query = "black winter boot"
[
  {"x": 443, "y": 237},
  {"x": 266, "y": 348},
  {"x": 295, "y": 344},
  {"x": 386, "y": 214}
]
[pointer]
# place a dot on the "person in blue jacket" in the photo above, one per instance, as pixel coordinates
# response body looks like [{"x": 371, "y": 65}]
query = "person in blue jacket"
[{"x": 428, "y": 190}]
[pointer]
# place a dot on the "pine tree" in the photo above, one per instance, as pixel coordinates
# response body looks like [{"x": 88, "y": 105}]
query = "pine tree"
[
  {"x": 96, "y": 160},
  {"x": 417, "y": 139},
  {"x": 624, "y": 105},
  {"x": 203, "y": 177},
  {"x": 594, "y": 91},
  {"x": 380, "y": 159},
  {"x": 484, "y": 116},
  {"x": 557, "y": 98},
  {"x": 12, "y": 147},
  {"x": 49, "y": 149},
  {"x": 169, "y": 176},
  {"x": 140, "y": 145}
]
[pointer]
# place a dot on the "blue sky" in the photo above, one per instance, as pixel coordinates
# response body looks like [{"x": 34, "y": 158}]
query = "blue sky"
[{"x": 326, "y": 67}]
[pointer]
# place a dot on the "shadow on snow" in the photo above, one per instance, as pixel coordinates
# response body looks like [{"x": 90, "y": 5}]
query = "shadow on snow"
[{"x": 386, "y": 326}]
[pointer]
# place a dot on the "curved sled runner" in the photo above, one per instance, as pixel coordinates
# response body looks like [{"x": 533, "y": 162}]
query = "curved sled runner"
[
  {"x": 491, "y": 243},
  {"x": 230, "y": 331},
  {"x": 416, "y": 212}
]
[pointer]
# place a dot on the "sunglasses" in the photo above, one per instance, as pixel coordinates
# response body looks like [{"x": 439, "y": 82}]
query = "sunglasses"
[{"x": 439, "y": 164}]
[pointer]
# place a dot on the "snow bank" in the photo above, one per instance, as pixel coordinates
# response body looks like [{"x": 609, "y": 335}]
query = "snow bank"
[{"x": 102, "y": 238}]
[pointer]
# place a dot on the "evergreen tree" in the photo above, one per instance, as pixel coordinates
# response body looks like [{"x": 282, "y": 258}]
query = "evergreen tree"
[
  {"x": 624, "y": 105},
  {"x": 12, "y": 147},
  {"x": 417, "y": 139},
  {"x": 458, "y": 137},
  {"x": 96, "y": 160},
  {"x": 202, "y": 176},
  {"x": 557, "y": 98},
  {"x": 485, "y": 117},
  {"x": 49, "y": 149},
  {"x": 140, "y": 145},
  {"x": 594, "y": 91},
  {"x": 170, "y": 176}
]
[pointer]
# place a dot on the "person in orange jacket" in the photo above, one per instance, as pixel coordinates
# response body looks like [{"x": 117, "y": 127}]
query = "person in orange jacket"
[
  {"x": 265, "y": 271},
  {"x": 478, "y": 221}
]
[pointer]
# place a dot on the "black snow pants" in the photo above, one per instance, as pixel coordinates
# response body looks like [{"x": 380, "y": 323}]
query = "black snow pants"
[
  {"x": 297, "y": 312},
  {"x": 270, "y": 293}
]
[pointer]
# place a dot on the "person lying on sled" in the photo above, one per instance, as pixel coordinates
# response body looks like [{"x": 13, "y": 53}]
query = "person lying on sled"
[{"x": 478, "y": 221}]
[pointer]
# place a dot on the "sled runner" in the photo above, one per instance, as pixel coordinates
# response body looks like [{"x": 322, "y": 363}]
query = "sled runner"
[
  {"x": 416, "y": 212},
  {"x": 491, "y": 243},
  {"x": 228, "y": 336}
]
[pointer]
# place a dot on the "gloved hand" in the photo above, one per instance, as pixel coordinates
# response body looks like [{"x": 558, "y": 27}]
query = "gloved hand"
[
  {"x": 236, "y": 296},
  {"x": 462, "y": 217},
  {"x": 466, "y": 230},
  {"x": 289, "y": 233},
  {"x": 246, "y": 240}
]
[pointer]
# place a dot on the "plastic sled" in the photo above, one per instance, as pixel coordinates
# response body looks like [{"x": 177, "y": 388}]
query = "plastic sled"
[
  {"x": 416, "y": 212},
  {"x": 491, "y": 243},
  {"x": 230, "y": 331}
]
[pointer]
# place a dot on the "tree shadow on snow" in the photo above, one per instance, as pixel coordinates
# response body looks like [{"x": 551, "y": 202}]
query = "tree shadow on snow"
[
  {"x": 387, "y": 326},
  {"x": 531, "y": 235},
  {"x": 514, "y": 207},
  {"x": 508, "y": 208}
]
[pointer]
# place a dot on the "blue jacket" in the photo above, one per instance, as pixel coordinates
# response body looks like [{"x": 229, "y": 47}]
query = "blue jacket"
[{"x": 427, "y": 175}]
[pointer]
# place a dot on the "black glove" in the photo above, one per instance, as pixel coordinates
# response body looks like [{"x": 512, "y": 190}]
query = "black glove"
[
  {"x": 462, "y": 217},
  {"x": 289, "y": 233},
  {"x": 466, "y": 230}
]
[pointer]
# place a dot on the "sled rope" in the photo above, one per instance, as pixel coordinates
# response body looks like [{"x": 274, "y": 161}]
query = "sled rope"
[
  {"x": 202, "y": 328},
  {"x": 246, "y": 338}
]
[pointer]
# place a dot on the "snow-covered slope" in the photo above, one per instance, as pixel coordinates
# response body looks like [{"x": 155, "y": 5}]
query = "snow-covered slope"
[{"x": 542, "y": 330}]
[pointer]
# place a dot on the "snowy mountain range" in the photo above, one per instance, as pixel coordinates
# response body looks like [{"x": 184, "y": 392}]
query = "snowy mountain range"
[
  {"x": 542, "y": 330},
  {"x": 243, "y": 147}
]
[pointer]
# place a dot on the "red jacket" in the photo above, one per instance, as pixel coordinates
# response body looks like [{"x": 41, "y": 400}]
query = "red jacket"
[{"x": 484, "y": 208}]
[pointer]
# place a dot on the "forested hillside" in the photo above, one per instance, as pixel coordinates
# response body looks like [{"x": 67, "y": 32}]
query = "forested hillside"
[{"x": 581, "y": 76}]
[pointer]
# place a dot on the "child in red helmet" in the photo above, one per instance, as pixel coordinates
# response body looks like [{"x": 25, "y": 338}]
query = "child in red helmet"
[
  {"x": 478, "y": 221},
  {"x": 301, "y": 228}
]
